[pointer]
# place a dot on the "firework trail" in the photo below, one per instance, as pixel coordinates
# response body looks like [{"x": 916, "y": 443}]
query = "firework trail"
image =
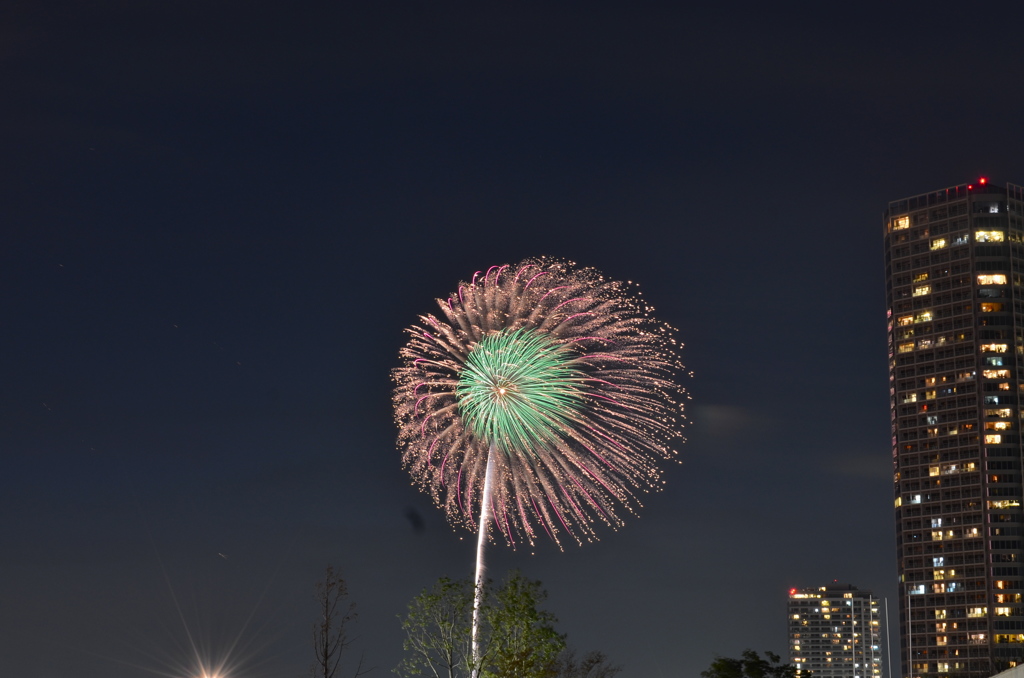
[{"x": 539, "y": 399}]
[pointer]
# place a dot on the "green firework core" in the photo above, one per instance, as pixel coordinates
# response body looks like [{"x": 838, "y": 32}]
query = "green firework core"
[{"x": 518, "y": 390}]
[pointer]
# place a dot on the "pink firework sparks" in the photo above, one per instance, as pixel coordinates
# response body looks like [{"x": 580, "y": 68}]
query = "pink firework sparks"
[{"x": 624, "y": 419}]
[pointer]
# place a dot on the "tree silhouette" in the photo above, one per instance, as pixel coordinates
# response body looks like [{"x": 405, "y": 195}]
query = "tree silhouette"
[
  {"x": 330, "y": 633},
  {"x": 517, "y": 638},
  {"x": 751, "y": 666}
]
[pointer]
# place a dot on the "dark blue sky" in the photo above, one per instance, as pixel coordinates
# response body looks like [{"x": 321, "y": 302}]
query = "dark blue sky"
[{"x": 217, "y": 218}]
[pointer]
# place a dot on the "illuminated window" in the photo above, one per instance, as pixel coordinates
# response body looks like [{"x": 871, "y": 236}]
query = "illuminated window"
[
  {"x": 988, "y": 236},
  {"x": 900, "y": 223},
  {"x": 998, "y": 426},
  {"x": 915, "y": 499},
  {"x": 1002, "y": 612},
  {"x": 916, "y": 590},
  {"x": 939, "y": 574},
  {"x": 992, "y": 279},
  {"x": 905, "y": 348},
  {"x": 1004, "y": 503},
  {"x": 977, "y": 611},
  {"x": 921, "y": 290},
  {"x": 940, "y": 614},
  {"x": 929, "y": 395},
  {"x": 991, "y": 307},
  {"x": 933, "y": 471},
  {"x": 938, "y": 243},
  {"x": 923, "y": 317},
  {"x": 905, "y": 320},
  {"x": 921, "y": 277},
  {"x": 1005, "y": 386},
  {"x": 993, "y": 439},
  {"x": 936, "y": 535},
  {"x": 993, "y": 348},
  {"x": 1008, "y": 597},
  {"x": 924, "y": 343},
  {"x": 996, "y": 374},
  {"x": 939, "y": 562},
  {"x": 941, "y": 640},
  {"x": 1009, "y": 637}
]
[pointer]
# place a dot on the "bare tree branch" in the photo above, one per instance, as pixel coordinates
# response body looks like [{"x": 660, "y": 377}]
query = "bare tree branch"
[{"x": 330, "y": 633}]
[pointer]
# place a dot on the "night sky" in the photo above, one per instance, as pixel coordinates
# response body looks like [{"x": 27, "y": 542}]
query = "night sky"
[{"x": 218, "y": 218}]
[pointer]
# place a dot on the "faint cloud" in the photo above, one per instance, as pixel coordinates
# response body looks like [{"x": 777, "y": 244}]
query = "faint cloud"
[
  {"x": 729, "y": 432},
  {"x": 862, "y": 465},
  {"x": 728, "y": 423}
]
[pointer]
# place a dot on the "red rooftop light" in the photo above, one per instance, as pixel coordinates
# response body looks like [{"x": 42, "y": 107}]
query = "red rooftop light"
[{"x": 983, "y": 181}]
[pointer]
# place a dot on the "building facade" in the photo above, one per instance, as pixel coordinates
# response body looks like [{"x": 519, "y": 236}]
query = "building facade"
[
  {"x": 834, "y": 632},
  {"x": 954, "y": 261}
]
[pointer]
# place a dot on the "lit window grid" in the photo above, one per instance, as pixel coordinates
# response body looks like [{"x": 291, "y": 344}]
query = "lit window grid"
[
  {"x": 835, "y": 636},
  {"x": 963, "y": 447}
]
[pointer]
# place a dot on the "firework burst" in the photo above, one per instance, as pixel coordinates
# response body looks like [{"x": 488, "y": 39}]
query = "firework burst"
[{"x": 556, "y": 378}]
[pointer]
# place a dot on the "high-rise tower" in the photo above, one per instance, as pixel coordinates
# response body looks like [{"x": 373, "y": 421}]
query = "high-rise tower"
[
  {"x": 834, "y": 632},
  {"x": 954, "y": 262}
]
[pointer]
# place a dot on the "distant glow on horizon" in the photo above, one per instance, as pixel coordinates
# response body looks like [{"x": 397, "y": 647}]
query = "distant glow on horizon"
[{"x": 565, "y": 373}]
